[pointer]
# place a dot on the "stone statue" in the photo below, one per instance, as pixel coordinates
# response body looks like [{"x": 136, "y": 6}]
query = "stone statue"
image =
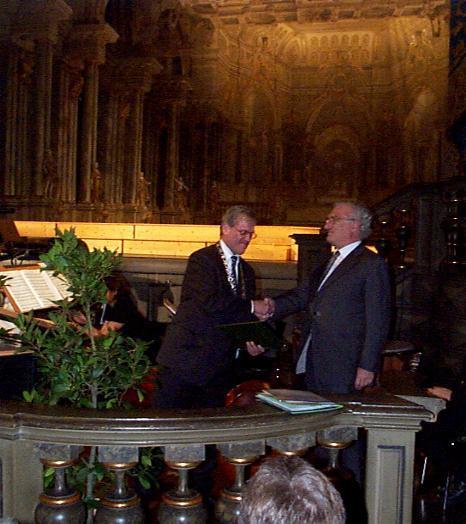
[
  {"x": 97, "y": 190},
  {"x": 50, "y": 174},
  {"x": 143, "y": 193},
  {"x": 181, "y": 194},
  {"x": 278, "y": 203},
  {"x": 25, "y": 68},
  {"x": 124, "y": 109},
  {"x": 212, "y": 203},
  {"x": 76, "y": 84}
]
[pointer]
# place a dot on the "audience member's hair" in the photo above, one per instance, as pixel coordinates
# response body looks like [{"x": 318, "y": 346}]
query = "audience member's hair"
[
  {"x": 233, "y": 213},
  {"x": 288, "y": 490},
  {"x": 363, "y": 215}
]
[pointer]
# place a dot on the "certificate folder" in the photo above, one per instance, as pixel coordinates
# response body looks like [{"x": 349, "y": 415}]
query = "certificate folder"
[
  {"x": 260, "y": 332},
  {"x": 295, "y": 401}
]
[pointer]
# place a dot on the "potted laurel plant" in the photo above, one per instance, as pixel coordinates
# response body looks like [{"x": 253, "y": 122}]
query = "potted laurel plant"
[{"x": 76, "y": 367}]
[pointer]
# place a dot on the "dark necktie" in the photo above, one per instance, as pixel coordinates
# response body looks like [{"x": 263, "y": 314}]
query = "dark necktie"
[
  {"x": 329, "y": 266},
  {"x": 234, "y": 266}
]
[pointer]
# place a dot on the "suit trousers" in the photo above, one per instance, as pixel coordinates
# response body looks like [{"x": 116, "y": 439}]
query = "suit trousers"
[{"x": 171, "y": 391}]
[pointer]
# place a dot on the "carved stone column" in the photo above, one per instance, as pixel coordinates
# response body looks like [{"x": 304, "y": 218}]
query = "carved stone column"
[
  {"x": 35, "y": 30},
  {"x": 20, "y": 68},
  {"x": 70, "y": 87},
  {"x": 173, "y": 153},
  {"x": 109, "y": 148},
  {"x": 137, "y": 75},
  {"x": 42, "y": 104},
  {"x": 126, "y": 82},
  {"x": 88, "y": 42},
  {"x": 174, "y": 94},
  {"x": 88, "y": 136}
]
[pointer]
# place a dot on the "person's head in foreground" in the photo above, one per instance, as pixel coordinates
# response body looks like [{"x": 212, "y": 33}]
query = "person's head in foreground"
[{"x": 288, "y": 490}]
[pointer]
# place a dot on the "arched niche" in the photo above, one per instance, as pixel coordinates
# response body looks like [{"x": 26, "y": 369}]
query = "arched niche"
[
  {"x": 334, "y": 158},
  {"x": 335, "y": 164}
]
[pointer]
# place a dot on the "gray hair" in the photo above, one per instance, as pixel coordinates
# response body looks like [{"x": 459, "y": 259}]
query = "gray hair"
[
  {"x": 233, "y": 213},
  {"x": 290, "y": 490},
  {"x": 362, "y": 214}
]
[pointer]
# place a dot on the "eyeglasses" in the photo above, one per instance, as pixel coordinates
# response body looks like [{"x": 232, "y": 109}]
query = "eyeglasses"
[
  {"x": 244, "y": 233},
  {"x": 334, "y": 219}
]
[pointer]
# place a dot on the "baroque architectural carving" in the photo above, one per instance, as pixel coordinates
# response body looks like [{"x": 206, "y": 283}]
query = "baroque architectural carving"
[{"x": 285, "y": 107}]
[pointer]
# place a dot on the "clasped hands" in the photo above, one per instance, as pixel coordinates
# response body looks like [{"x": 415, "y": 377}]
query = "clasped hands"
[{"x": 263, "y": 309}]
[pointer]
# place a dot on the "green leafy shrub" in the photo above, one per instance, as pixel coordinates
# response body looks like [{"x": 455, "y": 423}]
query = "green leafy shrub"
[{"x": 75, "y": 367}]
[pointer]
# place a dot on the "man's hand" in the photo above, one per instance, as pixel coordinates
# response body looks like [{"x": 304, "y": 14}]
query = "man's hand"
[
  {"x": 254, "y": 349},
  {"x": 264, "y": 309},
  {"x": 440, "y": 392},
  {"x": 363, "y": 379}
]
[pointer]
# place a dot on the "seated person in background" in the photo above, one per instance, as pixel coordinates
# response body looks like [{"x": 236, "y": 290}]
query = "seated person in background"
[
  {"x": 120, "y": 313},
  {"x": 435, "y": 437},
  {"x": 289, "y": 490}
]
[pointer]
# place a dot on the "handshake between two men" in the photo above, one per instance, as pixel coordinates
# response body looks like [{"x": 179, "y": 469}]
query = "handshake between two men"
[{"x": 263, "y": 309}]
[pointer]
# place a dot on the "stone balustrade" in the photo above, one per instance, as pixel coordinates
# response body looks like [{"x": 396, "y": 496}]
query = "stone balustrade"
[{"x": 31, "y": 434}]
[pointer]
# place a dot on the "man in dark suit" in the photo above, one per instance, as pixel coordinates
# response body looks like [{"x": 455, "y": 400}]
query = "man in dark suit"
[
  {"x": 348, "y": 306},
  {"x": 197, "y": 359}
]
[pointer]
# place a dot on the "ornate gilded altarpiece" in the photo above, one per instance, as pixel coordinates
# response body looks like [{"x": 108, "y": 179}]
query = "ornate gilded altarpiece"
[{"x": 170, "y": 111}]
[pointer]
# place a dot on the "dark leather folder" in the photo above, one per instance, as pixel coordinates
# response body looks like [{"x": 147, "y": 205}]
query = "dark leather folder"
[{"x": 260, "y": 332}]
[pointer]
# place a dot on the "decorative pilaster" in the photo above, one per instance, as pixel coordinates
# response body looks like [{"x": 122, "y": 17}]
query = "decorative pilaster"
[{"x": 389, "y": 475}]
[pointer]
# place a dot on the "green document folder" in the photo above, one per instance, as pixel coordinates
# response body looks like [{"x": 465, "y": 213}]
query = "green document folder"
[
  {"x": 260, "y": 332},
  {"x": 295, "y": 401}
]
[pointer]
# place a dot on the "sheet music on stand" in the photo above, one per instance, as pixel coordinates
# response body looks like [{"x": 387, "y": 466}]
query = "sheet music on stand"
[{"x": 31, "y": 289}]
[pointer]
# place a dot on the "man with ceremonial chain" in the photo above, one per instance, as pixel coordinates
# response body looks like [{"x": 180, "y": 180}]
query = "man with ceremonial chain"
[{"x": 197, "y": 359}]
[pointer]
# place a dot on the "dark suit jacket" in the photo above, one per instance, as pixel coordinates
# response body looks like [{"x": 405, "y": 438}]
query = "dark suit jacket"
[
  {"x": 194, "y": 347},
  {"x": 348, "y": 317}
]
